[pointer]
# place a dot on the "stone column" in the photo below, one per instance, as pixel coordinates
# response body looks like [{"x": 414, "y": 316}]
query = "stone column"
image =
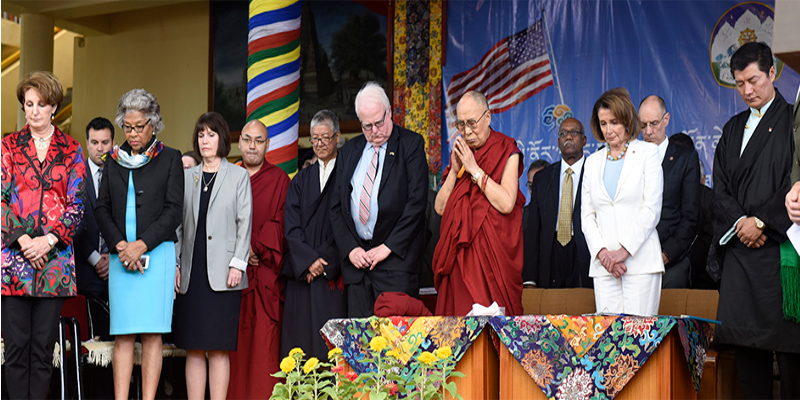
[{"x": 36, "y": 49}]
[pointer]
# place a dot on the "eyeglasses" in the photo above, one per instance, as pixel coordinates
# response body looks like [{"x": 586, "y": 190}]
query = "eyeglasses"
[
  {"x": 573, "y": 133},
  {"x": 653, "y": 124},
  {"x": 327, "y": 139},
  {"x": 462, "y": 125},
  {"x": 378, "y": 124},
  {"x": 248, "y": 141},
  {"x": 137, "y": 128}
]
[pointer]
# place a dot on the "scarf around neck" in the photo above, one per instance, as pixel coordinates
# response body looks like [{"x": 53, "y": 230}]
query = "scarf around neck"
[{"x": 124, "y": 157}]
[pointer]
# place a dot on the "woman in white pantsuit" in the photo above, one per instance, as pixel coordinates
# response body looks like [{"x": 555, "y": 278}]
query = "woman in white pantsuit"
[{"x": 621, "y": 206}]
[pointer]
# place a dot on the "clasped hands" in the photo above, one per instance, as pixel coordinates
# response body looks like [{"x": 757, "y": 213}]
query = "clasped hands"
[
  {"x": 793, "y": 203},
  {"x": 130, "y": 253},
  {"x": 369, "y": 259},
  {"x": 462, "y": 155},
  {"x": 35, "y": 249},
  {"x": 612, "y": 261},
  {"x": 316, "y": 269},
  {"x": 749, "y": 234}
]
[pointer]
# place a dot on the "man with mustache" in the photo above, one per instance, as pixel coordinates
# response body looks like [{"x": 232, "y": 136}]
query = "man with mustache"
[
  {"x": 680, "y": 211},
  {"x": 260, "y": 314},
  {"x": 556, "y": 255}
]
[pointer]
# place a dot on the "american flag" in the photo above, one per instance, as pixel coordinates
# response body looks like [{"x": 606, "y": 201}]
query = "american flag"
[{"x": 512, "y": 71}]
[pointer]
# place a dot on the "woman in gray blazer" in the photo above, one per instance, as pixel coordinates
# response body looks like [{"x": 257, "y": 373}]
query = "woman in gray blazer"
[{"x": 214, "y": 242}]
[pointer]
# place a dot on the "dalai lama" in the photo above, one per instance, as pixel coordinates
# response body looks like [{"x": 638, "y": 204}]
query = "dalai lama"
[{"x": 480, "y": 253}]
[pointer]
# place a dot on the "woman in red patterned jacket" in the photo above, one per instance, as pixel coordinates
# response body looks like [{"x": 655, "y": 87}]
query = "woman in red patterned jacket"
[{"x": 42, "y": 195}]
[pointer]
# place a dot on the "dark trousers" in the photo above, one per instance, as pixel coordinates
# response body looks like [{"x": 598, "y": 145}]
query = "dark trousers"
[
  {"x": 676, "y": 275},
  {"x": 755, "y": 373},
  {"x": 563, "y": 271},
  {"x": 30, "y": 331},
  {"x": 361, "y": 296}
]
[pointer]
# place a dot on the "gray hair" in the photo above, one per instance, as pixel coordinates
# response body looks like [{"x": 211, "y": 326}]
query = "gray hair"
[
  {"x": 142, "y": 101},
  {"x": 374, "y": 90},
  {"x": 327, "y": 118}
]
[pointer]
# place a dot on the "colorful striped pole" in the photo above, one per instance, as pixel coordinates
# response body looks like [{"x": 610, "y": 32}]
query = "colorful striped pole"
[{"x": 273, "y": 76}]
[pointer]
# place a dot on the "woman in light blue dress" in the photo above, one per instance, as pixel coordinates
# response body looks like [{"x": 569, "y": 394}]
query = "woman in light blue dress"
[{"x": 139, "y": 207}]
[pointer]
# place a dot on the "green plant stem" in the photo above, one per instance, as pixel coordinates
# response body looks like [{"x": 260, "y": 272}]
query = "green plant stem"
[
  {"x": 444, "y": 374},
  {"x": 422, "y": 387}
]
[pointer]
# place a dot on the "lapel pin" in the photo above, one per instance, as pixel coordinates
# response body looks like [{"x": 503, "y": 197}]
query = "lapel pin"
[
  {"x": 770, "y": 129},
  {"x": 196, "y": 180},
  {"x": 391, "y": 153},
  {"x": 671, "y": 158}
]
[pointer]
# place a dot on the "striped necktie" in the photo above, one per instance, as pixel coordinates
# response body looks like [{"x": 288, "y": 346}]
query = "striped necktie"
[{"x": 366, "y": 189}]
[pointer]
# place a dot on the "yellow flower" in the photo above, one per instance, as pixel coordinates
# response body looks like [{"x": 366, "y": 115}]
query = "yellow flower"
[
  {"x": 393, "y": 353},
  {"x": 427, "y": 357},
  {"x": 444, "y": 352},
  {"x": 378, "y": 343},
  {"x": 311, "y": 364},
  {"x": 296, "y": 350},
  {"x": 288, "y": 363},
  {"x": 334, "y": 352}
]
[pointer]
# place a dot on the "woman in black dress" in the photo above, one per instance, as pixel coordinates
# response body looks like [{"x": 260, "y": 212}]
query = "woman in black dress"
[{"x": 215, "y": 244}]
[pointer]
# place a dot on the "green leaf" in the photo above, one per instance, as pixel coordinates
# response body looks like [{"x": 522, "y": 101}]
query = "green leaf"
[
  {"x": 377, "y": 395},
  {"x": 457, "y": 374}
]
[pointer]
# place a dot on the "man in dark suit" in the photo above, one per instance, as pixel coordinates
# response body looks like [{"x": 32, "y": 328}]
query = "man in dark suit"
[
  {"x": 535, "y": 167},
  {"x": 378, "y": 205},
  {"x": 680, "y": 210},
  {"x": 556, "y": 255},
  {"x": 91, "y": 252}
]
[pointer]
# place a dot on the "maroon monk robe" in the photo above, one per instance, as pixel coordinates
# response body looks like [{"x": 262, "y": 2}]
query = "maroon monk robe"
[
  {"x": 257, "y": 355},
  {"x": 480, "y": 252}
]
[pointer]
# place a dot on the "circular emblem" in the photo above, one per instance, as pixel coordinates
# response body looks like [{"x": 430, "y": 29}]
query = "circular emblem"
[{"x": 742, "y": 23}]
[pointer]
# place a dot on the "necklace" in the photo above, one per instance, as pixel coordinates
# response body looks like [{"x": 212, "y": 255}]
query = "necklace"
[
  {"x": 42, "y": 143},
  {"x": 205, "y": 185},
  {"x": 621, "y": 154}
]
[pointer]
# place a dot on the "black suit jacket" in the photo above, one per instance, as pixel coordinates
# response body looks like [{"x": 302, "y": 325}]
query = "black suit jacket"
[
  {"x": 680, "y": 209},
  {"x": 86, "y": 241},
  {"x": 159, "y": 199},
  {"x": 401, "y": 203},
  {"x": 542, "y": 220}
]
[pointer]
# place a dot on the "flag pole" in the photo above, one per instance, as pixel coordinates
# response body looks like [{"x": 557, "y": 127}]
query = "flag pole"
[{"x": 552, "y": 51}]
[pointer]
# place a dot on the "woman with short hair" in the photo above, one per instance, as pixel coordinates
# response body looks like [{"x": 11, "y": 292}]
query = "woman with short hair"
[
  {"x": 622, "y": 192},
  {"x": 214, "y": 248},
  {"x": 43, "y": 172},
  {"x": 139, "y": 207}
]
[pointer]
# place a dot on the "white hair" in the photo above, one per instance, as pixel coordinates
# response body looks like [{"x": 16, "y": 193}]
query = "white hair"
[
  {"x": 143, "y": 101},
  {"x": 374, "y": 91}
]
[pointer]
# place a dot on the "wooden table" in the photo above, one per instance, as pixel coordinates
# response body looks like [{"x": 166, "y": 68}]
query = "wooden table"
[{"x": 664, "y": 376}]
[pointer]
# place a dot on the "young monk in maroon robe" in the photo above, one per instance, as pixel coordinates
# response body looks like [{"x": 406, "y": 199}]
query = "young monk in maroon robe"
[
  {"x": 480, "y": 252},
  {"x": 258, "y": 350}
]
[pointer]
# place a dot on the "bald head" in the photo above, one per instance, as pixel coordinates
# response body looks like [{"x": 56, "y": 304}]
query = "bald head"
[
  {"x": 655, "y": 118},
  {"x": 253, "y": 143}
]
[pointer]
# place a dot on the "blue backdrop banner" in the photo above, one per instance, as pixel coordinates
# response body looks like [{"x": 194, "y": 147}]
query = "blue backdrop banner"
[{"x": 541, "y": 61}]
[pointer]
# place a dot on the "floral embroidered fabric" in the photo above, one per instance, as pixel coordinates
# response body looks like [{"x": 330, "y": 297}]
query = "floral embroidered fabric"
[{"x": 582, "y": 357}]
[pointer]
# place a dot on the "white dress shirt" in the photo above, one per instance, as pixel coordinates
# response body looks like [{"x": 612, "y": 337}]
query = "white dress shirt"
[
  {"x": 662, "y": 148},
  {"x": 325, "y": 172},
  {"x": 752, "y": 123}
]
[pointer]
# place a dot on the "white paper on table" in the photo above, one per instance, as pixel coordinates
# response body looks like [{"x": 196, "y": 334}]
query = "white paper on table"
[{"x": 794, "y": 236}]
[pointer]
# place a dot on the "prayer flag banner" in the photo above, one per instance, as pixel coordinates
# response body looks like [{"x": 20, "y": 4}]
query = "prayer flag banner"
[
  {"x": 677, "y": 50},
  {"x": 273, "y": 76}
]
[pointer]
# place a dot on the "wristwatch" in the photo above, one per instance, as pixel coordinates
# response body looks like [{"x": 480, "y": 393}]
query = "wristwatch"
[{"x": 760, "y": 224}]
